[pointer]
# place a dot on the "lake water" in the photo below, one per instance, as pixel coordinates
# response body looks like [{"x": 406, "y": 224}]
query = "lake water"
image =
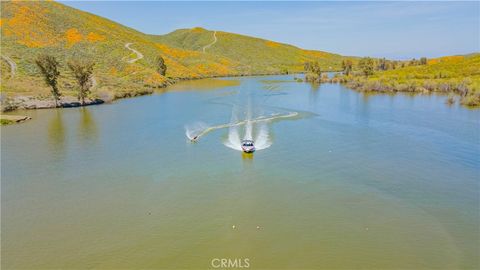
[{"x": 351, "y": 181}]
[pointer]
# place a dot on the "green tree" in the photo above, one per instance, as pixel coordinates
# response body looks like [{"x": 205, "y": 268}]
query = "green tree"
[
  {"x": 382, "y": 64},
  {"x": 48, "y": 66},
  {"x": 394, "y": 64},
  {"x": 316, "y": 69},
  {"x": 366, "y": 65},
  {"x": 313, "y": 71},
  {"x": 83, "y": 72},
  {"x": 161, "y": 67},
  {"x": 306, "y": 66},
  {"x": 423, "y": 61},
  {"x": 313, "y": 67},
  {"x": 347, "y": 66}
]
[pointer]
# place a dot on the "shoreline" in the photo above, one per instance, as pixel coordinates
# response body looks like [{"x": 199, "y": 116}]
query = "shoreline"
[{"x": 17, "y": 103}]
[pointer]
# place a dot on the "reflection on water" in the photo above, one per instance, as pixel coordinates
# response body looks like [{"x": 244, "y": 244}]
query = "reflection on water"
[
  {"x": 364, "y": 108},
  {"x": 314, "y": 92},
  {"x": 56, "y": 131},
  {"x": 204, "y": 84},
  {"x": 351, "y": 181},
  {"x": 247, "y": 156},
  {"x": 87, "y": 127}
]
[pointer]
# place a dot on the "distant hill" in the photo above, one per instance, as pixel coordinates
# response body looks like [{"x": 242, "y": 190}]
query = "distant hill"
[
  {"x": 255, "y": 54},
  {"x": 31, "y": 28},
  {"x": 125, "y": 59}
]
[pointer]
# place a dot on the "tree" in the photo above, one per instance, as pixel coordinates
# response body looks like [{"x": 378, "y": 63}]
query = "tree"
[
  {"x": 313, "y": 70},
  {"x": 161, "y": 67},
  {"x": 394, "y": 64},
  {"x": 83, "y": 72},
  {"x": 306, "y": 66},
  {"x": 423, "y": 61},
  {"x": 316, "y": 69},
  {"x": 382, "y": 64},
  {"x": 48, "y": 66},
  {"x": 347, "y": 66},
  {"x": 313, "y": 67},
  {"x": 366, "y": 65}
]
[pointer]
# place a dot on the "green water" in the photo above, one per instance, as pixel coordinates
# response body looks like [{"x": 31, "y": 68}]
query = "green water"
[{"x": 354, "y": 182}]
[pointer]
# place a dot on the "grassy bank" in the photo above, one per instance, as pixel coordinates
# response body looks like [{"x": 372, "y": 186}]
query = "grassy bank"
[{"x": 458, "y": 77}]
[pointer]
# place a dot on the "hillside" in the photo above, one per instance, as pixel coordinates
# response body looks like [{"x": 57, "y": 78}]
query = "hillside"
[
  {"x": 125, "y": 59},
  {"x": 258, "y": 55},
  {"x": 30, "y": 29},
  {"x": 33, "y": 28}
]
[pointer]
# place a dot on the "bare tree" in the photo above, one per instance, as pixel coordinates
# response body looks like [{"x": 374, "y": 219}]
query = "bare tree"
[
  {"x": 82, "y": 71},
  {"x": 48, "y": 66}
]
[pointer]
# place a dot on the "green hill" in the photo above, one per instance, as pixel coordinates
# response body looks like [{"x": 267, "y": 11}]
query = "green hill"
[
  {"x": 31, "y": 28},
  {"x": 125, "y": 59},
  {"x": 255, "y": 54}
]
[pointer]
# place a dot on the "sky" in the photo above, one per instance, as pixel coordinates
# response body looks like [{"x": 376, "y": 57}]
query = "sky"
[{"x": 396, "y": 30}]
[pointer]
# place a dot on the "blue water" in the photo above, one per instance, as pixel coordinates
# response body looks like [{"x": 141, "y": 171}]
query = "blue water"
[{"x": 355, "y": 181}]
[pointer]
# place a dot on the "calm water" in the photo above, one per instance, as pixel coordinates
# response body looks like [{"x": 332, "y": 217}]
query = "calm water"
[{"x": 355, "y": 181}]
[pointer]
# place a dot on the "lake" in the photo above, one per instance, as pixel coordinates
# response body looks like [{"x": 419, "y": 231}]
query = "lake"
[{"x": 345, "y": 180}]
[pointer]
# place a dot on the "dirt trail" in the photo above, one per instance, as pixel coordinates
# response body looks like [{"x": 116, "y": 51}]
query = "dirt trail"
[
  {"x": 214, "y": 41},
  {"x": 139, "y": 54},
  {"x": 13, "y": 66}
]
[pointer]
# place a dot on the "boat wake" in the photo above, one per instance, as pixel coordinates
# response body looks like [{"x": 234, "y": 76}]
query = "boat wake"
[
  {"x": 254, "y": 129},
  {"x": 262, "y": 138},
  {"x": 194, "y": 130}
]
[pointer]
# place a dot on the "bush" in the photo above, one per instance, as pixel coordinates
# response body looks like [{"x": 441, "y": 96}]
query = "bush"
[
  {"x": 450, "y": 100},
  {"x": 6, "y": 122},
  {"x": 472, "y": 100},
  {"x": 312, "y": 77}
]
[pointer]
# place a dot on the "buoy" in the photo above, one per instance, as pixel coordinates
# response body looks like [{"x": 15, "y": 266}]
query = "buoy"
[
  {"x": 233, "y": 227},
  {"x": 258, "y": 227}
]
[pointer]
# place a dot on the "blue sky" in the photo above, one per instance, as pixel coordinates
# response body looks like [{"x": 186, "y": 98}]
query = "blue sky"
[{"x": 398, "y": 30}]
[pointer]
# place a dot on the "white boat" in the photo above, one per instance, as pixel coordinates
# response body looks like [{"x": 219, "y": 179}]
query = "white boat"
[{"x": 248, "y": 146}]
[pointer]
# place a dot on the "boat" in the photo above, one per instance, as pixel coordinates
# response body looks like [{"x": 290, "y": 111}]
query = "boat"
[{"x": 248, "y": 146}]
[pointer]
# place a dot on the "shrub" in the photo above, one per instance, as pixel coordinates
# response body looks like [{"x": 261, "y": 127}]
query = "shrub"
[
  {"x": 312, "y": 77},
  {"x": 472, "y": 99},
  {"x": 450, "y": 100}
]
